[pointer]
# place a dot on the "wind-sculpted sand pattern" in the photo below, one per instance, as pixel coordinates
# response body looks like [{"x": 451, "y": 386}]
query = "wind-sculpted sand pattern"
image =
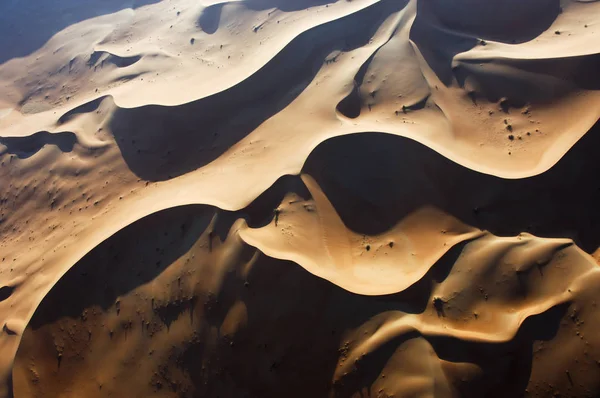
[{"x": 308, "y": 198}]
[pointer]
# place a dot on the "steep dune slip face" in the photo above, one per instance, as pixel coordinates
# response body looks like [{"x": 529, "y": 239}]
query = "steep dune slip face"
[{"x": 308, "y": 198}]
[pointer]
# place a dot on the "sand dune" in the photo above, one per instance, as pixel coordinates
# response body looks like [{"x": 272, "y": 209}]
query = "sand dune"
[{"x": 312, "y": 198}]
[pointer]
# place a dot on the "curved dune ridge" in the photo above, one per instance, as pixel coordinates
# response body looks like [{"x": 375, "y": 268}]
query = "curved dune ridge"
[{"x": 308, "y": 198}]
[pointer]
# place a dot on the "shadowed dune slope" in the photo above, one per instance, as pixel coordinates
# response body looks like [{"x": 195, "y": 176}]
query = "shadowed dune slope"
[
  {"x": 217, "y": 317},
  {"x": 375, "y": 180}
]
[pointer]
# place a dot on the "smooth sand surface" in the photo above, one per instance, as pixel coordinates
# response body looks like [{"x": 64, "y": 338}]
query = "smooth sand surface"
[{"x": 299, "y": 198}]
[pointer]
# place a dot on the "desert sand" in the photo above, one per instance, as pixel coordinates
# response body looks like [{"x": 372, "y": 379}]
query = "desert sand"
[{"x": 299, "y": 198}]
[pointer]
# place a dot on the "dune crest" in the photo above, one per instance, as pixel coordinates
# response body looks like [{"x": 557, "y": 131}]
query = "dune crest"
[{"x": 311, "y": 234}]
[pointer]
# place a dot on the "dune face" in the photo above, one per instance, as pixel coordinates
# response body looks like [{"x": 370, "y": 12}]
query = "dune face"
[{"x": 309, "y": 198}]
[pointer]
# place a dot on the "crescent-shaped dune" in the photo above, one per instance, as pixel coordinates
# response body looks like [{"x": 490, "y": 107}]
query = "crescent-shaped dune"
[{"x": 299, "y": 198}]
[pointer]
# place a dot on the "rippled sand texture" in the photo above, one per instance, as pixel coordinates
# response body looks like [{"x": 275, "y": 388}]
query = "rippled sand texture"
[{"x": 299, "y": 198}]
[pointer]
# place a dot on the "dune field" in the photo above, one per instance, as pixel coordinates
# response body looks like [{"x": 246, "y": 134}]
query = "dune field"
[{"x": 299, "y": 198}]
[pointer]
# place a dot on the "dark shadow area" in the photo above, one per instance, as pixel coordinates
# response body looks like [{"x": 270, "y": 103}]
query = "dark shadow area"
[
  {"x": 352, "y": 104},
  {"x": 415, "y": 298},
  {"x": 286, "y": 348},
  {"x": 99, "y": 58},
  {"x": 148, "y": 247},
  {"x": 288, "y": 345},
  {"x": 421, "y": 104},
  {"x": 262, "y": 210},
  {"x": 6, "y": 292},
  {"x": 171, "y": 311},
  {"x": 581, "y": 70},
  {"x": 374, "y": 180},
  {"x": 501, "y": 83},
  {"x": 26, "y": 26},
  {"x": 26, "y": 146},
  {"x": 439, "y": 45},
  {"x": 9, "y": 387},
  {"x": 210, "y": 17},
  {"x": 88, "y": 107},
  {"x": 508, "y": 21},
  {"x": 443, "y": 29},
  {"x": 366, "y": 372},
  {"x": 505, "y": 367},
  {"x": 161, "y": 142}
]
